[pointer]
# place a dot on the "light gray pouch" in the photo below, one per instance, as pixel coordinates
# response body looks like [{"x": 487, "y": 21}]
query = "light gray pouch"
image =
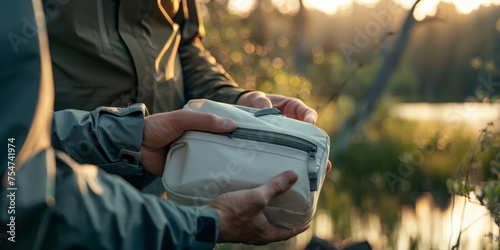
[{"x": 202, "y": 165}]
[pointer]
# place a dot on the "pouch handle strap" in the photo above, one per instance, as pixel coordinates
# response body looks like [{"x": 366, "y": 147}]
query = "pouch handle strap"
[{"x": 269, "y": 111}]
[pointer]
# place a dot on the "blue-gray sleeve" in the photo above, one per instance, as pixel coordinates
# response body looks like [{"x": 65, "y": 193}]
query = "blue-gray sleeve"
[
  {"x": 107, "y": 137},
  {"x": 52, "y": 202},
  {"x": 73, "y": 206}
]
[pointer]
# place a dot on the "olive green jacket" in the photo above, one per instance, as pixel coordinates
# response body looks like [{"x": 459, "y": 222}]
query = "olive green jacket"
[
  {"x": 47, "y": 200},
  {"x": 119, "y": 52}
]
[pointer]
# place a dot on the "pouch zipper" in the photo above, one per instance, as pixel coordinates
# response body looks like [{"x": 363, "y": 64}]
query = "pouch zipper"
[
  {"x": 273, "y": 138},
  {"x": 102, "y": 27},
  {"x": 286, "y": 141}
]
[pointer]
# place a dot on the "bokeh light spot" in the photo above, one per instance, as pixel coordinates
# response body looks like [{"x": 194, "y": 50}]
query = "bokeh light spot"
[
  {"x": 264, "y": 62},
  {"x": 282, "y": 41},
  {"x": 230, "y": 32},
  {"x": 236, "y": 57},
  {"x": 249, "y": 48},
  {"x": 278, "y": 63},
  {"x": 294, "y": 81},
  {"x": 267, "y": 86},
  {"x": 279, "y": 79}
]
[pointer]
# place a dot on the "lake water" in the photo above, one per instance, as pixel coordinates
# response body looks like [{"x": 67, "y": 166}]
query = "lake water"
[
  {"x": 472, "y": 115},
  {"x": 425, "y": 224}
]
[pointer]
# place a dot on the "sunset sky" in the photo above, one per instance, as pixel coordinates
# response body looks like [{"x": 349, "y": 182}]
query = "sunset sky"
[{"x": 333, "y": 7}]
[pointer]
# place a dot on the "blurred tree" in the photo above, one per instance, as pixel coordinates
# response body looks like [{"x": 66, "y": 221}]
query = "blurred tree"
[
  {"x": 300, "y": 32},
  {"x": 389, "y": 63}
]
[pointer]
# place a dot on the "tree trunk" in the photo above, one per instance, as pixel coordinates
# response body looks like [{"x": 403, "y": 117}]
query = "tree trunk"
[
  {"x": 300, "y": 50},
  {"x": 389, "y": 63}
]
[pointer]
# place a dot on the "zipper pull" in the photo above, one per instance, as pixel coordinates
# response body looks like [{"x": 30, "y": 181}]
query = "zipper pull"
[
  {"x": 312, "y": 152},
  {"x": 229, "y": 135},
  {"x": 312, "y": 169}
]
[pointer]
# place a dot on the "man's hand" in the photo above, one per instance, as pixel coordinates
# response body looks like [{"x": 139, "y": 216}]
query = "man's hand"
[
  {"x": 162, "y": 129},
  {"x": 291, "y": 107},
  {"x": 241, "y": 218}
]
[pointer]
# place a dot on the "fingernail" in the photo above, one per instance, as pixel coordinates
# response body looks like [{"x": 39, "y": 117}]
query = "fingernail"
[
  {"x": 310, "y": 118},
  {"x": 291, "y": 176},
  {"x": 228, "y": 123}
]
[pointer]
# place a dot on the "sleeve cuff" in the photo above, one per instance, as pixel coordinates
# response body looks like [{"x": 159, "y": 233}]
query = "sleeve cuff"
[
  {"x": 118, "y": 134},
  {"x": 207, "y": 228},
  {"x": 108, "y": 137},
  {"x": 229, "y": 94}
]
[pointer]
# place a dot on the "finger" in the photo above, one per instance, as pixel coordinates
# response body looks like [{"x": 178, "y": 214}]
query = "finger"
[
  {"x": 255, "y": 99},
  {"x": 260, "y": 101},
  {"x": 183, "y": 120},
  {"x": 278, "y": 185},
  {"x": 310, "y": 116},
  {"x": 294, "y": 108},
  {"x": 304, "y": 113},
  {"x": 328, "y": 166}
]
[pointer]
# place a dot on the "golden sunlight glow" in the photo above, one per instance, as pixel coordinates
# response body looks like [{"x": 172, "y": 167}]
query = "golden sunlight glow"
[
  {"x": 328, "y": 6},
  {"x": 405, "y": 3},
  {"x": 367, "y": 3},
  {"x": 425, "y": 8},
  {"x": 332, "y": 7},
  {"x": 241, "y": 7},
  {"x": 429, "y": 7},
  {"x": 287, "y": 6}
]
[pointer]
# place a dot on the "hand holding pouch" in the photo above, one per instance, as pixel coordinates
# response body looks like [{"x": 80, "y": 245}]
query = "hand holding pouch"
[{"x": 202, "y": 165}]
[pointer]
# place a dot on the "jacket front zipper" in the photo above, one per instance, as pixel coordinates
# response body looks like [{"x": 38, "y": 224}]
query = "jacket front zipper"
[
  {"x": 102, "y": 27},
  {"x": 286, "y": 141}
]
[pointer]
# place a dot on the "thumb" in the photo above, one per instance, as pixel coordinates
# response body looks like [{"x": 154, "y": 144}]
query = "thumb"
[{"x": 278, "y": 184}]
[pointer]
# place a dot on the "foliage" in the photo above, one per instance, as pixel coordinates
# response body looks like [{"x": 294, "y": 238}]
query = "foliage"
[
  {"x": 467, "y": 181},
  {"x": 267, "y": 49}
]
